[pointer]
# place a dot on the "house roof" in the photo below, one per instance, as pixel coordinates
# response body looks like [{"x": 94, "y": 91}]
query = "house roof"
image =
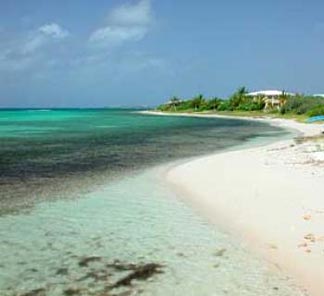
[{"x": 268, "y": 93}]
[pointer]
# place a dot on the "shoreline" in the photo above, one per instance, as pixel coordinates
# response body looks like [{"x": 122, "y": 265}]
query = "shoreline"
[
  {"x": 302, "y": 128},
  {"x": 269, "y": 197}
]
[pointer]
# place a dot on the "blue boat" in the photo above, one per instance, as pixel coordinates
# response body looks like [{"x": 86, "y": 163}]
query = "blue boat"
[{"x": 315, "y": 118}]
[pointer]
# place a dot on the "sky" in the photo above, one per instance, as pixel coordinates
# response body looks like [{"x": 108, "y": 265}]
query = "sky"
[{"x": 100, "y": 53}]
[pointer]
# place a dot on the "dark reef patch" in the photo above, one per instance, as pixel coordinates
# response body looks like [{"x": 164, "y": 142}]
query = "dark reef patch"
[
  {"x": 141, "y": 272},
  {"x": 84, "y": 262},
  {"x": 35, "y": 292},
  {"x": 99, "y": 277}
]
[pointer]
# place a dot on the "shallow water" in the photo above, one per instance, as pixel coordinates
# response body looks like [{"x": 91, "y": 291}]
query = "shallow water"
[
  {"x": 135, "y": 220},
  {"x": 113, "y": 210},
  {"x": 44, "y": 155}
]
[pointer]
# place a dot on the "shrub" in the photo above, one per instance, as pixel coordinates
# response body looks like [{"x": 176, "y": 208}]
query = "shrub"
[
  {"x": 300, "y": 104},
  {"x": 316, "y": 111},
  {"x": 251, "y": 106},
  {"x": 225, "y": 106},
  {"x": 213, "y": 104}
]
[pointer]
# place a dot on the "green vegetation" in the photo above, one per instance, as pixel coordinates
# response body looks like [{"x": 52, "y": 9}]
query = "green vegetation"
[
  {"x": 301, "y": 105},
  {"x": 316, "y": 111},
  {"x": 240, "y": 103}
]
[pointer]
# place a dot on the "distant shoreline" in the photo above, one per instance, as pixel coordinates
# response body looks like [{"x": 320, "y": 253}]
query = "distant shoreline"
[
  {"x": 263, "y": 196},
  {"x": 301, "y": 128}
]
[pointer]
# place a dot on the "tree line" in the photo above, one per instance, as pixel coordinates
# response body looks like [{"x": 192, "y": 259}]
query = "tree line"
[{"x": 240, "y": 101}]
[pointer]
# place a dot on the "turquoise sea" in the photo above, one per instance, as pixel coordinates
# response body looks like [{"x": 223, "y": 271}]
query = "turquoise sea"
[{"x": 84, "y": 210}]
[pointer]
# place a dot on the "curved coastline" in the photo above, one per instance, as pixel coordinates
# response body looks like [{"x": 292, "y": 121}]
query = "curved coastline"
[{"x": 263, "y": 196}]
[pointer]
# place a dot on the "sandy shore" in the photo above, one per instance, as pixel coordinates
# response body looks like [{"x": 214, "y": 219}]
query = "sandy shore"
[{"x": 271, "y": 197}]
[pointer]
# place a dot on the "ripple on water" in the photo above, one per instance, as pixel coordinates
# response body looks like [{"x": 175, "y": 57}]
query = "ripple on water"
[{"x": 135, "y": 226}]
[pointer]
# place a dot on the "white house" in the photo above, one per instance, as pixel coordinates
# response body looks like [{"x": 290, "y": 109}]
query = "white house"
[
  {"x": 272, "y": 98},
  {"x": 270, "y": 93}
]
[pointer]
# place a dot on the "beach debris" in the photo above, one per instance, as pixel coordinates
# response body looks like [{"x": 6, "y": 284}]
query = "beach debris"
[
  {"x": 141, "y": 272},
  {"x": 220, "y": 252},
  {"x": 307, "y": 217},
  {"x": 84, "y": 262},
  {"x": 310, "y": 237}
]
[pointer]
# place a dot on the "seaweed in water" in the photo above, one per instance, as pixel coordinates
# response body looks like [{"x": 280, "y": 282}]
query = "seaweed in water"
[
  {"x": 72, "y": 291},
  {"x": 84, "y": 262},
  {"x": 62, "y": 271},
  {"x": 220, "y": 253},
  {"x": 142, "y": 272},
  {"x": 36, "y": 292},
  {"x": 129, "y": 272}
]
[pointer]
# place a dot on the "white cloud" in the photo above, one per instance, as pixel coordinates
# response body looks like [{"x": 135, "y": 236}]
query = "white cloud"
[
  {"x": 18, "y": 53},
  {"x": 42, "y": 36},
  {"x": 114, "y": 35},
  {"x": 54, "y": 30},
  {"x": 139, "y": 14},
  {"x": 33, "y": 42},
  {"x": 129, "y": 22}
]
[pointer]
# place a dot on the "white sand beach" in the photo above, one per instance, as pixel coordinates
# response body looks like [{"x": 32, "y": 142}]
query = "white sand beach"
[{"x": 270, "y": 197}]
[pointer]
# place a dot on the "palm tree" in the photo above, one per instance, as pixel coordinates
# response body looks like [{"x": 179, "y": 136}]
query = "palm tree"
[
  {"x": 283, "y": 99},
  {"x": 242, "y": 91},
  {"x": 214, "y": 103},
  {"x": 238, "y": 97},
  {"x": 197, "y": 101}
]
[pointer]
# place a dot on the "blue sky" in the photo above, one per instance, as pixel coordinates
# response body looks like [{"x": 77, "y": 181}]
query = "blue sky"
[{"x": 97, "y": 53}]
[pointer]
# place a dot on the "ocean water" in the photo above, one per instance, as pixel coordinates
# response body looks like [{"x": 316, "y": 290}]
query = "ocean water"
[{"x": 85, "y": 212}]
